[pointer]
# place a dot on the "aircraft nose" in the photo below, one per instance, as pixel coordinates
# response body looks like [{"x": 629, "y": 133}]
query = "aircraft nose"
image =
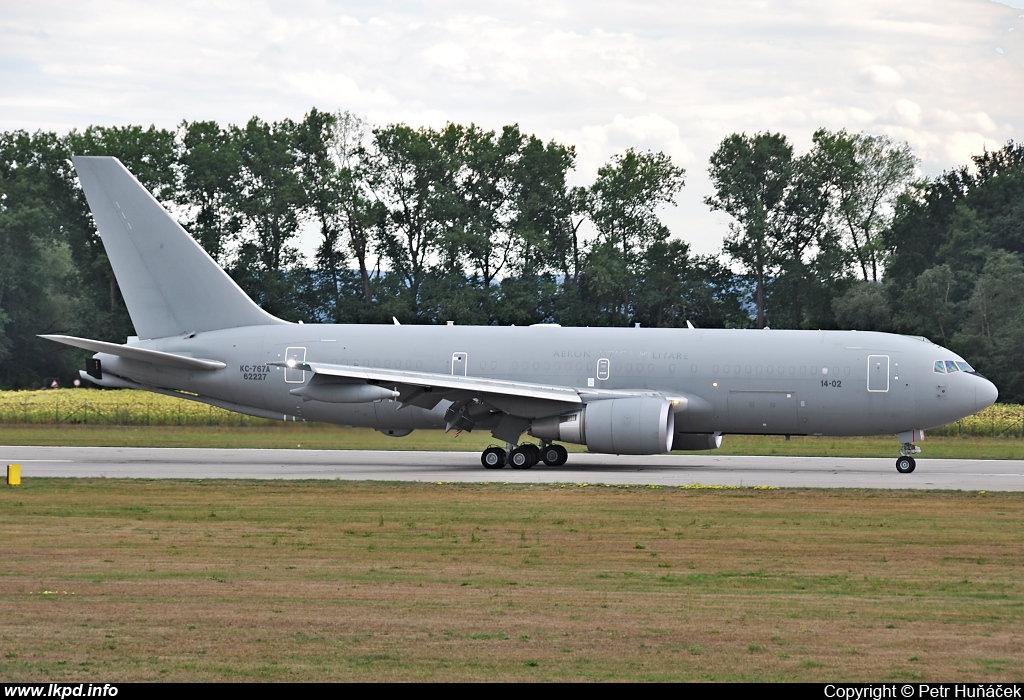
[{"x": 985, "y": 394}]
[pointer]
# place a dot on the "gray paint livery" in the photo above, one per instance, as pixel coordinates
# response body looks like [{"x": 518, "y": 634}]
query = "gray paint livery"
[{"x": 621, "y": 390}]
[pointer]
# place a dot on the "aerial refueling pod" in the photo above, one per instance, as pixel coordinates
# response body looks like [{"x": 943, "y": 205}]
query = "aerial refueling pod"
[
  {"x": 631, "y": 426},
  {"x": 343, "y": 393}
]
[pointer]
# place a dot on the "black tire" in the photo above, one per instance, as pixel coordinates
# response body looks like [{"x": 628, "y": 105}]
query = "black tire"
[
  {"x": 493, "y": 458},
  {"x": 905, "y": 465},
  {"x": 555, "y": 455},
  {"x": 521, "y": 457},
  {"x": 534, "y": 451}
]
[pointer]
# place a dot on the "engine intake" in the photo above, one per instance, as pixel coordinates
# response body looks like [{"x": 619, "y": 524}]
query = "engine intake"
[{"x": 633, "y": 426}]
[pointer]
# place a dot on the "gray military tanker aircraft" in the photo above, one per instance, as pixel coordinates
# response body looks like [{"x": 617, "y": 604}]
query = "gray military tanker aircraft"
[{"x": 620, "y": 391}]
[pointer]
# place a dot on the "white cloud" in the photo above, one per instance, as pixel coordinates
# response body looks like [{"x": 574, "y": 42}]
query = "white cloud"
[
  {"x": 633, "y": 94},
  {"x": 908, "y": 112},
  {"x": 672, "y": 77},
  {"x": 883, "y": 76}
]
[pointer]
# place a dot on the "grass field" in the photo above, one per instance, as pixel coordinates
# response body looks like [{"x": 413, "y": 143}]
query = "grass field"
[
  {"x": 327, "y": 437},
  {"x": 106, "y": 580}
]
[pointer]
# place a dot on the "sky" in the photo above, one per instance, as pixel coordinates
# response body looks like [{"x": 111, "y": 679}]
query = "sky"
[{"x": 947, "y": 76}]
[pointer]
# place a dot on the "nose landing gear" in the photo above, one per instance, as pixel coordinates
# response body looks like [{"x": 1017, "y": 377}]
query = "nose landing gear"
[{"x": 906, "y": 463}]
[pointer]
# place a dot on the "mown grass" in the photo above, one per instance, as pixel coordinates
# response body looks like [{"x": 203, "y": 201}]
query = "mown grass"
[
  {"x": 327, "y": 437},
  {"x": 315, "y": 581}
]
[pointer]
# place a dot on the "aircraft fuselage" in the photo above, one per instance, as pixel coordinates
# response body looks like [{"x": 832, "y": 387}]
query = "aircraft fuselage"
[{"x": 773, "y": 382}]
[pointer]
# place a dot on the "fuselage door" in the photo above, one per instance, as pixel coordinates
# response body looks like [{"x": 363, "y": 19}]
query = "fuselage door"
[
  {"x": 878, "y": 373},
  {"x": 460, "y": 360},
  {"x": 291, "y": 374},
  {"x": 603, "y": 369}
]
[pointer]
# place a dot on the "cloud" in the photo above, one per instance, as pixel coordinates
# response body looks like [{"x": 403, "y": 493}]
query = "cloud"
[
  {"x": 677, "y": 78},
  {"x": 883, "y": 76}
]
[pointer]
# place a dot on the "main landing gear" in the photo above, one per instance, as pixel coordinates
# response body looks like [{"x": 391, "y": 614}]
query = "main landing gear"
[
  {"x": 524, "y": 456},
  {"x": 906, "y": 462}
]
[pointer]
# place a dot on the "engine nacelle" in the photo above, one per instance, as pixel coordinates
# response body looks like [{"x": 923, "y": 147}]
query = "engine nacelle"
[
  {"x": 632, "y": 426},
  {"x": 697, "y": 441}
]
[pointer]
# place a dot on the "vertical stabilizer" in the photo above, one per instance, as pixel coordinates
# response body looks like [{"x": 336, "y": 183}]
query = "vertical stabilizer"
[{"x": 169, "y": 283}]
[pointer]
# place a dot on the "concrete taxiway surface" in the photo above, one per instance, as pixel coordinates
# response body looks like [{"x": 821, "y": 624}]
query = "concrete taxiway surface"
[{"x": 663, "y": 470}]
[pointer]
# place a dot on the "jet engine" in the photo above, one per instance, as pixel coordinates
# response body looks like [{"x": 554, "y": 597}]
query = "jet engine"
[{"x": 630, "y": 426}]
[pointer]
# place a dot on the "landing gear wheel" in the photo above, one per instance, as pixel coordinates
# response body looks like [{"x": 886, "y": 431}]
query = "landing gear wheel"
[
  {"x": 555, "y": 455},
  {"x": 493, "y": 458},
  {"x": 905, "y": 465},
  {"x": 521, "y": 457},
  {"x": 534, "y": 451}
]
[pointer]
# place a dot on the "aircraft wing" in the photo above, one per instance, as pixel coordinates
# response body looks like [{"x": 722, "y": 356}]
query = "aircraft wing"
[{"x": 427, "y": 389}]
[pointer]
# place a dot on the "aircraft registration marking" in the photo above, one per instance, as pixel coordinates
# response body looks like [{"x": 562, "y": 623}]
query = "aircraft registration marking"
[{"x": 254, "y": 373}]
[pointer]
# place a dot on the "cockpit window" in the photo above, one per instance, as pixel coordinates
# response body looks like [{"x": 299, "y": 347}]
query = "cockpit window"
[{"x": 950, "y": 366}]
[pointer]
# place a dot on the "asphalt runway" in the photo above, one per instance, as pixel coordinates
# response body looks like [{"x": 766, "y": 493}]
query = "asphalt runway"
[{"x": 662, "y": 470}]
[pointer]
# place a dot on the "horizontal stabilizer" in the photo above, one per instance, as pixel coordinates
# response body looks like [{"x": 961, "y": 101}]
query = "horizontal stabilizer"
[{"x": 133, "y": 352}]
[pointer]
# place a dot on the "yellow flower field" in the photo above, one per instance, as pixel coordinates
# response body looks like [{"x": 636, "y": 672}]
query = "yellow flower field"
[
  {"x": 116, "y": 407},
  {"x": 129, "y": 407}
]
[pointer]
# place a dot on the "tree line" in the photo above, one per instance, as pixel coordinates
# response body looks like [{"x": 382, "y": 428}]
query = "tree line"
[{"x": 482, "y": 227}]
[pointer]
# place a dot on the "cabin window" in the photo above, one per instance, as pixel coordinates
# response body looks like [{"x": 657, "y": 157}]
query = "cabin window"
[
  {"x": 940, "y": 367},
  {"x": 964, "y": 367},
  {"x": 951, "y": 366}
]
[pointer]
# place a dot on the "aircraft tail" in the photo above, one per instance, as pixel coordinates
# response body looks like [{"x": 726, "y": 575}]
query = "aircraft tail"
[{"x": 169, "y": 283}]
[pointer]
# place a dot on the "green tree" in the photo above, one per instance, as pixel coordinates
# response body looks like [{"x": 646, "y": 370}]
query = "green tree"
[
  {"x": 209, "y": 164},
  {"x": 622, "y": 205},
  {"x": 269, "y": 200},
  {"x": 39, "y": 283},
  {"x": 874, "y": 172},
  {"x": 411, "y": 175},
  {"x": 751, "y": 176}
]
